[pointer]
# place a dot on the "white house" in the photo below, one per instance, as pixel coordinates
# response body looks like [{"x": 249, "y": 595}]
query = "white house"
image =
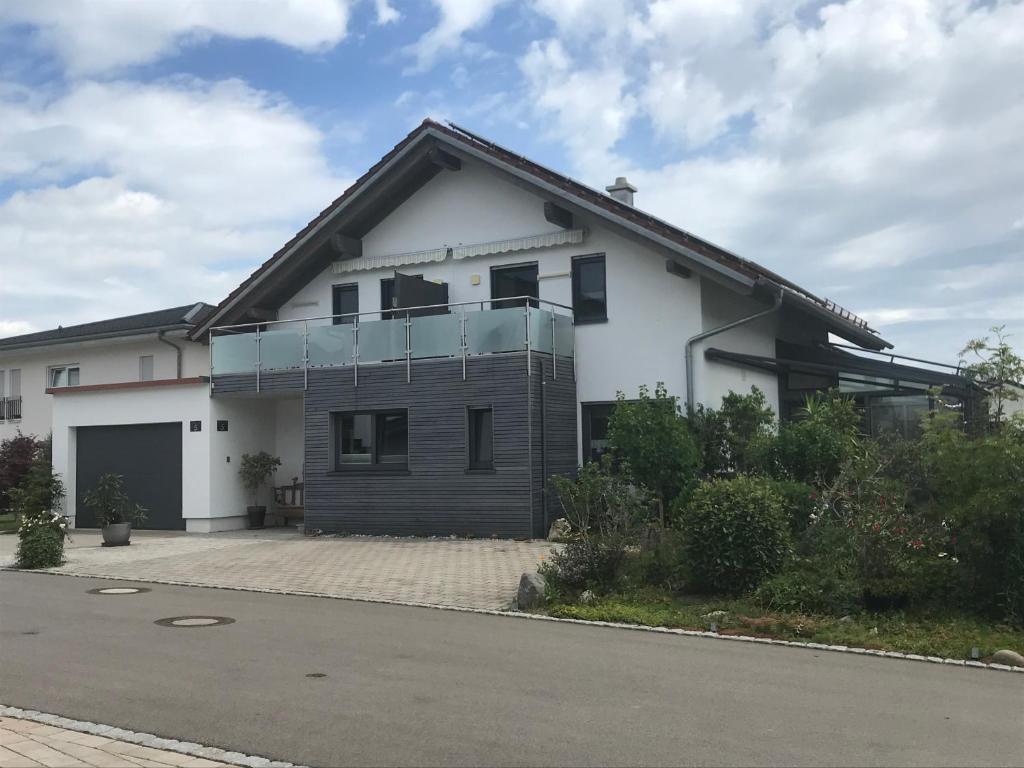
[{"x": 436, "y": 343}]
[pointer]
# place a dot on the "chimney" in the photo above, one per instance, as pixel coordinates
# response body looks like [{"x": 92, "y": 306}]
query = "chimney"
[{"x": 622, "y": 190}]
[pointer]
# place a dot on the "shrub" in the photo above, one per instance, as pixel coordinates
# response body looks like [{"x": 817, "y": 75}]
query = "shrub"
[
  {"x": 735, "y": 533},
  {"x": 590, "y": 563},
  {"x": 41, "y": 540},
  {"x": 16, "y": 456},
  {"x": 256, "y": 470},
  {"x": 653, "y": 439},
  {"x": 111, "y": 504},
  {"x": 799, "y": 500},
  {"x": 725, "y": 437},
  {"x": 600, "y": 502},
  {"x": 40, "y": 489},
  {"x": 812, "y": 585}
]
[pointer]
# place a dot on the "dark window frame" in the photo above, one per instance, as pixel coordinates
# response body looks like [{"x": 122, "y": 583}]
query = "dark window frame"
[
  {"x": 386, "y": 312},
  {"x": 589, "y": 258},
  {"x": 498, "y": 302},
  {"x": 336, "y": 291},
  {"x": 375, "y": 465},
  {"x": 585, "y": 425},
  {"x": 471, "y": 464}
]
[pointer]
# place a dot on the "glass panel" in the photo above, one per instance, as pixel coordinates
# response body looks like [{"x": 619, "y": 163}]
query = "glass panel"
[
  {"x": 540, "y": 330},
  {"x": 356, "y": 438},
  {"x": 436, "y": 336},
  {"x": 595, "y": 429},
  {"x": 481, "y": 435},
  {"x": 281, "y": 349},
  {"x": 345, "y": 302},
  {"x": 73, "y": 377},
  {"x": 564, "y": 338},
  {"x": 381, "y": 340},
  {"x": 234, "y": 353},
  {"x": 589, "y": 288},
  {"x": 56, "y": 377},
  {"x": 392, "y": 438},
  {"x": 495, "y": 330},
  {"x": 330, "y": 345}
]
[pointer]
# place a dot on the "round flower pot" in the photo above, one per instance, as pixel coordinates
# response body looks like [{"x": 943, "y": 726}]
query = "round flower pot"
[
  {"x": 116, "y": 534},
  {"x": 257, "y": 516}
]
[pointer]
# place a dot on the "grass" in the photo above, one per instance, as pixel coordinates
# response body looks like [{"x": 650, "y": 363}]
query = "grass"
[
  {"x": 929, "y": 634},
  {"x": 7, "y": 523}
]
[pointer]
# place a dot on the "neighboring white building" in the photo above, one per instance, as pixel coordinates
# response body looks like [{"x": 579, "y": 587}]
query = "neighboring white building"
[{"x": 449, "y": 419}]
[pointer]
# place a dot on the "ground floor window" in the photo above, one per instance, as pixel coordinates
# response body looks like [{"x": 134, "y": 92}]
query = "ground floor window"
[
  {"x": 595, "y": 429},
  {"x": 379, "y": 438},
  {"x": 481, "y": 438}
]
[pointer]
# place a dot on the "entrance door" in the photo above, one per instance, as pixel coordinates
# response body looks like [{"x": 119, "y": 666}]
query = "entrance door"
[
  {"x": 516, "y": 280},
  {"x": 148, "y": 456}
]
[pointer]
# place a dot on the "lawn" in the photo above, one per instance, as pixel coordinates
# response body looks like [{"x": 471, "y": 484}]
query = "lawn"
[
  {"x": 929, "y": 634},
  {"x": 7, "y": 523}
]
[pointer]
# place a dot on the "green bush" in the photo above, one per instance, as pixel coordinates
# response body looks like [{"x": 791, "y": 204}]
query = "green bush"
[
  {"x": 40, "y": 489},
  {"x": 799, "y": 500},
  {"x": 110, "y": 504},
  {"x": 652, "y": 438},
  {"x": 590, "y": 563},
  {"x": 812, "y": 585},
  {"x": 41, "y": 541},
  {"x": 725, "y": 436},
  {"x": 16, "y": 457},
  {"x": 602, "y": 502},
  {"x": 735, "y": 533}
]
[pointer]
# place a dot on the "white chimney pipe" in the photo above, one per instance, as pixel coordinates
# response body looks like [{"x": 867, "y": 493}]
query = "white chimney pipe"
[{"x": 622, "y": 190}]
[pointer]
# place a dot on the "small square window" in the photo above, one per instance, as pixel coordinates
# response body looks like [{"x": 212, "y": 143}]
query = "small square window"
[
  {"x": 481, "y": 438},
  {"x": 145, "y": 367},
  {"x": 589, "y": 289},
  {"x": 371, "y": 439}
]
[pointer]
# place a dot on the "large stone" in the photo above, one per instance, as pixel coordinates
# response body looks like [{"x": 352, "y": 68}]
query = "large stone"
[
  {"x": 531, "y": 591},
  {"x": 560, "y": 530},
  {"x": 1009, "y": 658}
]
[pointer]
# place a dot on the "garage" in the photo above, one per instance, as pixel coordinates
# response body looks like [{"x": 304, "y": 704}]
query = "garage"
[{"x": 148, "y": 456}]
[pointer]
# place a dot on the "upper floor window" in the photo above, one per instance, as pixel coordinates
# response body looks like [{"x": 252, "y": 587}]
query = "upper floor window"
[
  {"x": 345, "y": 301},
  {"x": 589, "y": 289},
  {"x": 145, "y": 367},
  {"x": 62, "y": 376},
  {"x": 512, "y": 281}
]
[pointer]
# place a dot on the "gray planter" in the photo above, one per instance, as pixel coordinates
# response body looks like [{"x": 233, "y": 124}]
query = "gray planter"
[
  {"x": 257, "y": 516},
  {"x": 116, "y": 534}
]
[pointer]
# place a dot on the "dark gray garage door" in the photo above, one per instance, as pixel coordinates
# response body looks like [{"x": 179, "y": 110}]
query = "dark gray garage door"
[{"x": 149, "y": 458}]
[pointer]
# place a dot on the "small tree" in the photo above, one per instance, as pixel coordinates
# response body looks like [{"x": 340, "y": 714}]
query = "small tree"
[
  {"x": 601, "y": 503},
  {"x": 996, "y": 368},
  {"x": 653, "y": 439},
  {"x": 41, "y": 490},
  {"x": 726, "y": 435},
  {"x": 16, "y": 456},
  {"x": 111, "y": 504},
  {"x": 256, "y": 469}
]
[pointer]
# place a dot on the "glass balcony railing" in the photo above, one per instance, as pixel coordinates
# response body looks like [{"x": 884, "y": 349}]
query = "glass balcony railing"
[{"x": 417, "y": 333}]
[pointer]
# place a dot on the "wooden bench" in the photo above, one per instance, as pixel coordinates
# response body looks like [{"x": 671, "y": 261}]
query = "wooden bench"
[{"x": 289, "y": 501}]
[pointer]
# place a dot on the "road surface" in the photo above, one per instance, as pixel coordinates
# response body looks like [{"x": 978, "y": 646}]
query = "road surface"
[{"x": 415, "y": 686}]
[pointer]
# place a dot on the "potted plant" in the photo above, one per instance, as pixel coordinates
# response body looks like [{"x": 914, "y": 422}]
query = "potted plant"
[
  {"x": 114, "y": 511},
  {"x": 256, "y": 469}
]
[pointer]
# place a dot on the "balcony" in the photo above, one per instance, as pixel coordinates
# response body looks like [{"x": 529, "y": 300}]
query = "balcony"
[
  {"x": 403, "y": 335},
  {"x": 10, "y": 408}
]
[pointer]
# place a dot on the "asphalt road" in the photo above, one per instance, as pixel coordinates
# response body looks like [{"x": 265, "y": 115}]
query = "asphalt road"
[{"x": 415, "y": 686}]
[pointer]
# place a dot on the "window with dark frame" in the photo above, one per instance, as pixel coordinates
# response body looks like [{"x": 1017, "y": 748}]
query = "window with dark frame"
[
  {"x": 589, "y": 289},
  {"x": 595, "y": 429},
  {"x": 387, "y": 297},
  {"x": 511, "y": 281},
  {"x": 371, "y": 439},
  {"x": 344, "y": 301},
  {"x": 481, "y": 438}
]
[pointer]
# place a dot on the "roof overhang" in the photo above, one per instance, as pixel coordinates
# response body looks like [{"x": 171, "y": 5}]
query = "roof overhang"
[{"x": 21, "y": 346}]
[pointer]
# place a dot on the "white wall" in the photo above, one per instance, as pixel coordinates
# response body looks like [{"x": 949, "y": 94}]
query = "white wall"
[
  {"x": 106, "y": 361},
  {"x": 650, "y": 311},
  {"x": 182, "y": 403}
]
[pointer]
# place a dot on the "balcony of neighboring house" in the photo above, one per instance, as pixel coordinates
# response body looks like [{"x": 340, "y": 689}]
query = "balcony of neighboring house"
[
  {"x": 10, "y": 408},
  {"x": 279, "y": 355}
]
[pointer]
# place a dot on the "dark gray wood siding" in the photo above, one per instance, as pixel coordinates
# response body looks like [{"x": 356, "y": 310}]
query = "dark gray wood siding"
[{"x": 437, "y": 495}]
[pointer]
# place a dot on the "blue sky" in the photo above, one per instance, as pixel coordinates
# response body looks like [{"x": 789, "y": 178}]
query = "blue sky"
[{"x": 873, "y": 150}]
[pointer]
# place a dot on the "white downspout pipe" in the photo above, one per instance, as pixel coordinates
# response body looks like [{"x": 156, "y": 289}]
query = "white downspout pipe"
[{"x": 721, "y": 329}]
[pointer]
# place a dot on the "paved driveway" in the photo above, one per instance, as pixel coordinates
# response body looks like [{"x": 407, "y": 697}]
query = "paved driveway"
[{"x": 480, "y": 573}]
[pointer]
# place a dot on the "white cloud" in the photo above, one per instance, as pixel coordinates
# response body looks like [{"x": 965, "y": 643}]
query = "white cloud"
[
  {"x": 158, "y": 195},
  {"x": 386, "y": 13},
  {"x": 96, "y": 36},
  {"x": 457, "y": 17}
]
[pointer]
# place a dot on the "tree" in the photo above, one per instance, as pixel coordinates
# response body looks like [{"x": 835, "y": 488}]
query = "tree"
[
  {"x": 16, "y": 456},
  {"x": 651, "y": 437},
  {"x": 996, "y": 368},
  {"x": 726, "y": 435}
]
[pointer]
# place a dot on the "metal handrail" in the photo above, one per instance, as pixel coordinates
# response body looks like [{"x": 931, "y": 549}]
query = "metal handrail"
[
  {"x": 381, "y": 312},
  {"x": 893, "y": 357}
]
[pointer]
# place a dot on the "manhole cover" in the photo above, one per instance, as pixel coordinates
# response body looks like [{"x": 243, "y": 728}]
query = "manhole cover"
[
  {"x": 194, "y": 621},
  {"x": 316, "y": 674},
  {"x": 118, "y": 591}
]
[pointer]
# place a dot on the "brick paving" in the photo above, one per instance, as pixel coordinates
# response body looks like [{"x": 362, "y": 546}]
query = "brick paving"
[
  {"x": 27, "y": 744},
  {"x": 479, "y": 573}
]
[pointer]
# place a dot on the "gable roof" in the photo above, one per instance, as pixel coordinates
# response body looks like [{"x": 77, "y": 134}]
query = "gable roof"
[
  {"x": 175, "y": 318},
  {"x": 430, "y": 135}
]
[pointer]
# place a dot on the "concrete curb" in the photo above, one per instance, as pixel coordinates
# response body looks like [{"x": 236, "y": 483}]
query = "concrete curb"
[
  {"x": 144, "y": 739},
  {"x": 542, "y": 617}
]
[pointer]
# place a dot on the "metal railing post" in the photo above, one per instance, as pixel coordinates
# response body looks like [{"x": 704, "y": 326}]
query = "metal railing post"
[
  {"x": 529, "y": 356},
  {"x": 305, "y": 355},
  {"x": 554, "y": 348},
  {"x": 259, "y": 358},
  {"x": 408, "y": 349},
  {"x": 355, "y": 352},
  {"x": 464, "y": 342}
]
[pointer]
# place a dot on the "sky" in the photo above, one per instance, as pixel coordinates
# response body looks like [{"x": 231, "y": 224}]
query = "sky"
[{"x": 153, "y": 153}]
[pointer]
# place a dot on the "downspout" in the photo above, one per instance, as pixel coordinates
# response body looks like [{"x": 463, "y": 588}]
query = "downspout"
[
  {"x": 177, "y": 350},
  {"x": 721, "y": 329}
]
